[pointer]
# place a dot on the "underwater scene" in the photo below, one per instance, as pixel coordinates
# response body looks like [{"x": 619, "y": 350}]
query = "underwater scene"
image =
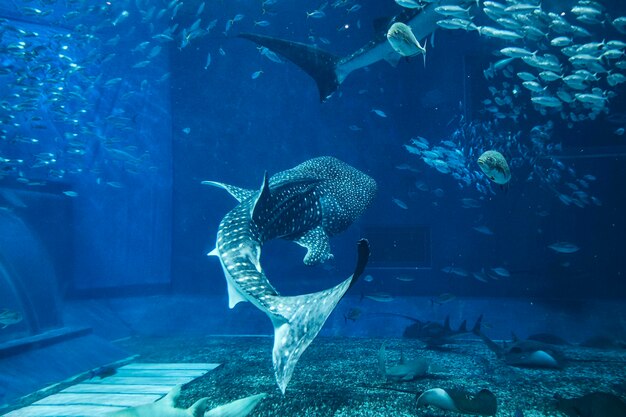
[{"x": 334, "y": 208}]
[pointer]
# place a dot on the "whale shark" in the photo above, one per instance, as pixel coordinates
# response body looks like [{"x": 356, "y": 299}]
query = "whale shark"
[
  {"x": 306, "y": 204},
  {"x": 329, "y": 70}
]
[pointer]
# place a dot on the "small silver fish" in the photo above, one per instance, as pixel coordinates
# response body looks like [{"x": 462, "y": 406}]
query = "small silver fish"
[
  {"x": 400, "y": 203},
  {"x": 564, "y": 247}
]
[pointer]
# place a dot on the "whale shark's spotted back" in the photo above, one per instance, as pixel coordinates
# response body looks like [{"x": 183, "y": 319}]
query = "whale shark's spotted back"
[{"x": 341, "y": 192}]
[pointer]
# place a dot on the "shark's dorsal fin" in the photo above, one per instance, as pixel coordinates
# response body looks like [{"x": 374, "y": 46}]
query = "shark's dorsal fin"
[
  {"x": 199, "y": 407},
  {"x": 241, "y": 194},
  {"x": 402, "y": 358},
  {"x": 262, "y": 199},
  {"x": 170, "y": 398},
  {"x": 318, "y": 246}
]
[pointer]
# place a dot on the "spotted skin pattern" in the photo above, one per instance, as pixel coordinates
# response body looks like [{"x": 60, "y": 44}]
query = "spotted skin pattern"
[{"x": 306, "y": 204}]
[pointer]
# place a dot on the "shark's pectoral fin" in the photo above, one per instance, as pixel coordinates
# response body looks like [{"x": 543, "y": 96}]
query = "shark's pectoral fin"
[
  {"x": 234, "y": 296},
  {"x": 241, "y": 194},
  {"x": 318, "y": 246}
]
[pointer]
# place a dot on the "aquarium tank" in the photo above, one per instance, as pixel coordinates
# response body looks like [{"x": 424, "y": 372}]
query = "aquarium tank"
[{"x": 334, "y": 208}]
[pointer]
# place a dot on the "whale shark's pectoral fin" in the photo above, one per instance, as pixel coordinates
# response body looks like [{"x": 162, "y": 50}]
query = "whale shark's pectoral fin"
[
  {"x": 241, "y": 194},
  {"x": 234, "y": 296},
  {"x": 318, "y": 246}
]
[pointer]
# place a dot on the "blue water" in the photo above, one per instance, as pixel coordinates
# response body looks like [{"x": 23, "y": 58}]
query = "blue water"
[{"x": 104, "y": 142}]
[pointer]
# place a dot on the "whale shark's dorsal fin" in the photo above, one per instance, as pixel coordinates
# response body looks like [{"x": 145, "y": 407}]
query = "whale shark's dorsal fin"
[
  {"x": 241, "y": 194},
  {"x": 318, "y": 246},
  {"x": 319, "y": 64},
  {"x": 262, "y": 199}
]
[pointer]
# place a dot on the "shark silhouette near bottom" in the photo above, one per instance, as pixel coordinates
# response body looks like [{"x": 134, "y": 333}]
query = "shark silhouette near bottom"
[
  {"x": 166, "y": 407},
  {"x": 306, "y": 204}
]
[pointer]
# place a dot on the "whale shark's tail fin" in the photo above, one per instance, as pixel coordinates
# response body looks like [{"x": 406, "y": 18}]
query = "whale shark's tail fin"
[
  {"x": 298, "y": 319},
  {"x": 319, "y": 64}
]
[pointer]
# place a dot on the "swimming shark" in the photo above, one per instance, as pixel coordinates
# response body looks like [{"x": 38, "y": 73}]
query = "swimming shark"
[
  {"x": 329, "y": 71},
  {"x": 434, "y": 334},
  {"x": 166, "y": 407},
  {"x": 306, "y": 204},
  {"x": 405, "y": 370},
  {"x": 525, "y": 353}
]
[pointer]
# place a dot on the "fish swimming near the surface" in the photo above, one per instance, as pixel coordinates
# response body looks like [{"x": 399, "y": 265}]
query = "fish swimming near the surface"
[
  {"x": 329, "y": 70},
  {"x": 495, "y": 167},
  {"x": 405, "y": 370},
  {"x": 483, "y": 403},
  {"x": 525, "y": 353},
  {"x": 166, "y": 407},
  {"x": 591, "y": 405},
  {"x": 306, "y": 204}
]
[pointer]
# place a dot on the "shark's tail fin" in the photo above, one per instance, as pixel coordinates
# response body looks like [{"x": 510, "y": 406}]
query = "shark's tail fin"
[
  {"x": 298, "y": 319},
  {"x": 319, "y": 64}
]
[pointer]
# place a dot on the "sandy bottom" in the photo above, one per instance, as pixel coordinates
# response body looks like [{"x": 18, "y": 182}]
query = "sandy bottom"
[{"x": 339, "y": 377}]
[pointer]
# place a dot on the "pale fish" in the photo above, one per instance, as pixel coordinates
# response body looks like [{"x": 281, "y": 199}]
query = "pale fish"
[
  {"x": 564, "y": 247},
  {"x": 408, "y": 4},
  {"x": 494, "y": 165},
  {"x": 503, "y": 272},
  {"x": 483, "y": 230},
  {"x": 404, "y": 42},
  {"x": 400, "y": 203}
]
